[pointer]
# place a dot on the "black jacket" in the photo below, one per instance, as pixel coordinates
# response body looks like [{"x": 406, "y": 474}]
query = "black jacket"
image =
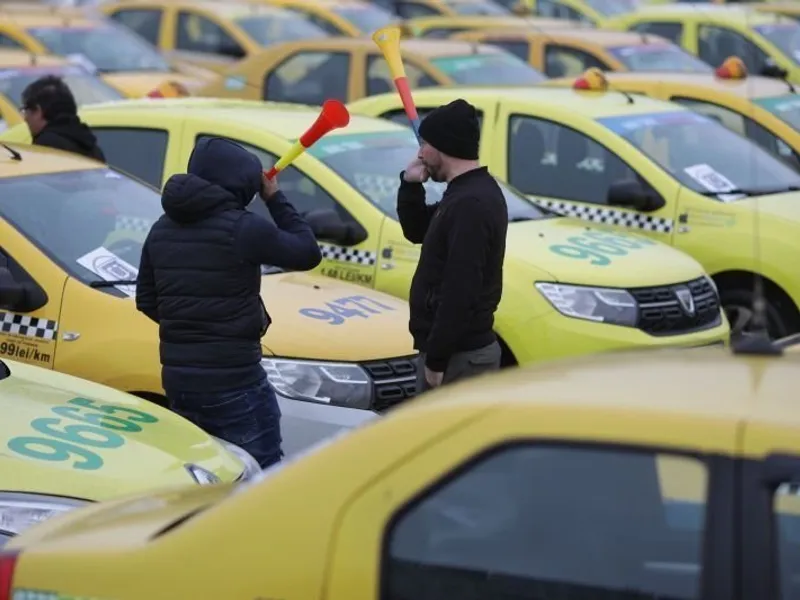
[
  {"x": 459, "y": 278},
  {"x": 200, "y": 277},
  {"x": 66, "y": 132}
]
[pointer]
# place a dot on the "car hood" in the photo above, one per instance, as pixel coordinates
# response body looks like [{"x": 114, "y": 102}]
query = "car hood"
[
  {"x": 306, "y": 324},
  {"x": 576, "y": 252},
  {"x": 138, "y": 85},
  {"x": 782, "y": 207},
  {"x": 50, "y": 442}
]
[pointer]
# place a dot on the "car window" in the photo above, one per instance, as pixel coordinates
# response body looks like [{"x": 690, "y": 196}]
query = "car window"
[
  {"x": 85, "y": 87},
  {"x": 368, "y": 162},
  {"x": 563, "y": 61},
  {"x": 784, "y": 35},
  {"x": 658, "y": 57},
  {"x": 479, "y": 8},
  {"x": 674, "y": 140},
  {"x": 111, "y": 48},
  {"x": 309, "y": 78},
  {"x": 785, "y": 107},
  {"x": 729, "y": 118},
  {"x": 553, "y": 522},
  {"x": 279, "y": 26},
  {"x": 668, "y": 30},
  {"x": 144, "y": 21},
  {"x": 91, "y": 222},
  {"x": 367, "y": 17},
  {"x": 553, "y": 160},
  {"x": 399, "y": 116},
  {"x": 322, "y": 22},
  {"x": 556, "y": 10},
  {"x": 304, "y": 193},
  {"x": 520, "y": 49},
  {"x": 380, "y": 80},
  {"x": 500, "y": 68},
  {"x": 196, "y": 33},
  {"x": 138, "y": 152},
  {"x": 610, "y": 8},
  {"x": 9, "y": 42},
  {"x": 440, "y": 33},
  {"x": 715, "y": 44},
  {"x": 413, "y": 10}
]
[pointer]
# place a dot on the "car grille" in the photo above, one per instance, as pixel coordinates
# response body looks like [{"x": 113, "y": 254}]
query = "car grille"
[
  {"x": 395, "y": 381},
  {"x": 661, "y": 311}
]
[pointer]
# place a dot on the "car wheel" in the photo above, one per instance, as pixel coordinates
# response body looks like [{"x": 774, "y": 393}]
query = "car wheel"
[{"x": 738, "y": 305}]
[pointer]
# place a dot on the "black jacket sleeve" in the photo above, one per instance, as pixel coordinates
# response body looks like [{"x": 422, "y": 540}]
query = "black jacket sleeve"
[
  {"x": 413, "y": 213},
  {"x": 289, "y": 243},
  {"x": 146, "y": 297},
  {"x": 468, "y": 237}
]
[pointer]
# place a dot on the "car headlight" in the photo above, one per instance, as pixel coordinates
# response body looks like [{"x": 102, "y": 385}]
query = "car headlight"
[
  {"x": 251, "y": 466},
  {"x": 18, "y": 511},
  {"x": 340, "y": 384},
  {"x": 603, "y": 305}
]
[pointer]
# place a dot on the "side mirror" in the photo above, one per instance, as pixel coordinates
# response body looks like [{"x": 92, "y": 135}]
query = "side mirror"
[
  {"x": 772, "y": 69},
  {"x": 634, "y": 194},
  {"x": 232, "y": 50},
  {"x": 328, "y": 226}
]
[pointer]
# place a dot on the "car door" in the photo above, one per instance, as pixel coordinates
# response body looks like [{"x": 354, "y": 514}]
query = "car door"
[
  {"x": 199, "y": 33},
  {"x": 472, "y": 516},
  {"x": 28, "y": 323},
  {"x": 568, "y": 171}
]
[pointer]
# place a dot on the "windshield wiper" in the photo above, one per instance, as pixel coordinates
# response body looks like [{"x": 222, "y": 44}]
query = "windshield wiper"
[
  {"x": 113, "y": 283},
  {"x": 752, "y": 191}
]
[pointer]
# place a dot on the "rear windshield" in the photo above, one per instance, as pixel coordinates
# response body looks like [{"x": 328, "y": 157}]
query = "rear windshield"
[
  {"x": 86, "y": 88},
  {"x": 501, "y": 68},
  {"x": 658, "y": 57},
  {"x": 268, "y": 29}
]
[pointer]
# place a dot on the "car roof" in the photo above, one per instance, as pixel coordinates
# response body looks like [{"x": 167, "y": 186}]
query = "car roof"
[
  {"x": 736, "y": 14},
  {"x": 424, "y": 47},
  {"x": 703, "y": 383},
  {"x": 42, "y": 19},
  {"x": 321, "y": 3},
  {"x": 792, "y": 7},
  {"x": 21, "y": 58},
  {"x": 288, "y": 121},
  {"x": 37, "y": 160},
  {"x": 487, "y": 21},
  {"x": 601, "y": 37},
  {"x": 750, "y": 87},
  {"x": 223, "y": 8},
  {"x": 590, "y": 104}
]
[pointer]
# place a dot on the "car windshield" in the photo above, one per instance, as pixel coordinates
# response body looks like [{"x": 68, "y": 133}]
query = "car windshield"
[
  {"x": 274, "y": 28},
  {"x": 678, "y": 141},
  {"x": 658, "y": 57},
  {"x": 786, "y": 108},
  {"x": 609, "y": 8},
  {"x": 92, "y": 222},
  {"x": 86, "y": 88},
  {"x": 784, "y": 35},
  {"x": 370, "y": 162},
  {"x": 479, "y": 8},
  {"x": 111, "y": 48},
  {"x": 501, "y": 68},
  {"x": 367, "y": 18}
]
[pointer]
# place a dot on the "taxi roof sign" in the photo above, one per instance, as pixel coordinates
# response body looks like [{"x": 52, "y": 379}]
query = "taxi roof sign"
[
  {"x": 732, "y": 68},
  {"x": 592, "y": 79},
  {"x": 169, "y": 89}
]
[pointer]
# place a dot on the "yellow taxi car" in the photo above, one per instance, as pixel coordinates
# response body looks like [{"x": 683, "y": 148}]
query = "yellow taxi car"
[
  {"x": 786, "y": 9},
  {"x": 72, "y": 232},
  {"x": 761, "y": 108},
  {"x": 444, "y": 27},
  {"x": 67, "y": 442},
  {"x": 122, "y": 60},
  {"x": 768, "y": 44},
  {"x": 210, "y": 33},
  {"x": 339, "y": 17},
  {"x": 568, "y": 289},
  {"x": 641, "y": 164},
  {"x": 310, "y": 72},
  {"x": 594, "y": 12},
  {"x": 413, "y": 9},
  {"x": 486, "y": 489},
  {"x": 563, "y": 52},
  {"x": 19, "y": 68}
]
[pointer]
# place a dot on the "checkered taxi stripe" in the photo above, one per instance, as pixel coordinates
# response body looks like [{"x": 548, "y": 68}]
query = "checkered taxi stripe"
[
  {"x": 132, "y": 223},
  {"x": 44, "y": 329},
  {"x": 348, "y": 255},
  {"x": 608, "y": 216}
]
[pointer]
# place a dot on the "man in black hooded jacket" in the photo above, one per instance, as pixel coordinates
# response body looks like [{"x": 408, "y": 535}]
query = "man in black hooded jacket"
[
  {"x": 51, "y": 113},
  {"x": 200, "y": 280}
]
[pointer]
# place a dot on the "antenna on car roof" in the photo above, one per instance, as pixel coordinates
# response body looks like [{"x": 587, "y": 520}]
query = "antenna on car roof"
[{"x": 14, "y": 154}]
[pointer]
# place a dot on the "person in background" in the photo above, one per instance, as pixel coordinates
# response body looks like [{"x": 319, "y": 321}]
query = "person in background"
[
  {"x": 200, "y": 280},
  {"x": 459, "y": 278},
  {"x": 51, "y": 113}
]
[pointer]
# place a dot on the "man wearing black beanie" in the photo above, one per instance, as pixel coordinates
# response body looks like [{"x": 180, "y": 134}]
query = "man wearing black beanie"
[{"x": 459, "y": 278}]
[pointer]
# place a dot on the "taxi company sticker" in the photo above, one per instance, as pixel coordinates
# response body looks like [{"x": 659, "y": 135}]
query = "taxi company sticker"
[
  {"x": 597, "y": 246},
  {"x": 336, "y": 312},
  {"x": 110, "y": 267},
  {"x": 710, "y": 179},
  {"x": 353, "y": 275}
]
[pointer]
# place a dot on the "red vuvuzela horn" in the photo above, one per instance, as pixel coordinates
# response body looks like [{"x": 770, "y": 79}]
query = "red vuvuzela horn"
[{"x": 334, "y": 115}]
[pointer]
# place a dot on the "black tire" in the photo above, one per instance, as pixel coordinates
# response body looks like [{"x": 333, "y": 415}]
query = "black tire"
[{"x": 738, "y": 306}]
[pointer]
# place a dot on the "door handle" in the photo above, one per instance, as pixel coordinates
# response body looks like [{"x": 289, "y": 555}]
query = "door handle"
[
  {"x": 70, "y": 336},
  {"x": 387, "y": 266}
]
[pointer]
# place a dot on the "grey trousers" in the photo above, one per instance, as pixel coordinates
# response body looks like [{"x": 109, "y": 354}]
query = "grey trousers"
[{"x": 463, "y": 365}]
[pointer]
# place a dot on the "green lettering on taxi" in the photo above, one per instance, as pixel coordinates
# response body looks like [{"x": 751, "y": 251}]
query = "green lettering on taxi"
[
  {"x": 97, "y": 427},
  {"x": 597, "y": 247}
]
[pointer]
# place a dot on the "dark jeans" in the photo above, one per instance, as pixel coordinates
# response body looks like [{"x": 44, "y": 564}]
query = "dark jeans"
[
  {"x": 249, "y": 418},
  {"x": 463, "y": 365}
]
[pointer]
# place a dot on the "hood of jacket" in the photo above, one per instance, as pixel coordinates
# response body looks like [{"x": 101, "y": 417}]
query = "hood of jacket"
[
  {"x": 71, "y": 128},
  {"x": 227, "y": 165},
  {"x": 189, "y": 198}
]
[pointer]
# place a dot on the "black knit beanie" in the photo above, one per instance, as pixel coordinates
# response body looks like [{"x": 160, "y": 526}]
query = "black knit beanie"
[{"x": 453, "y": 129}]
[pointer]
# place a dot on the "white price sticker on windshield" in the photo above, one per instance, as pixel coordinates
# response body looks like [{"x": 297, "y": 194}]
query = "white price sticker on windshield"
[
  {"x": 110, "y": 267},
  {"x": 710, "y": 179}
]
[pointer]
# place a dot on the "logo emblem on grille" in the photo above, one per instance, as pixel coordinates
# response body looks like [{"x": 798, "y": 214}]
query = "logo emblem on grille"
[{"x": 686, "y": 300}]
